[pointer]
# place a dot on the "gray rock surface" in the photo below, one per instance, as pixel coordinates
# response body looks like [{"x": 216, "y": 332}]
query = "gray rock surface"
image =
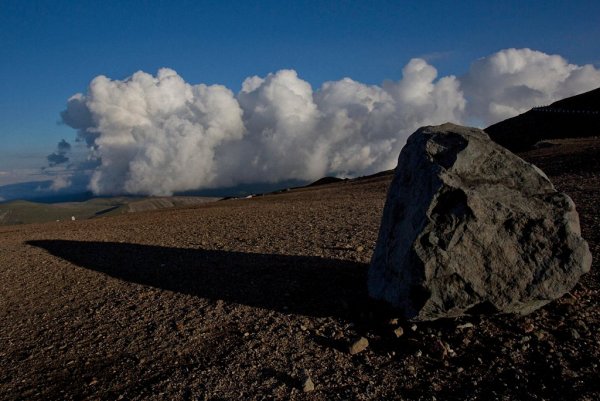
[{"x": 469, "y": 227}]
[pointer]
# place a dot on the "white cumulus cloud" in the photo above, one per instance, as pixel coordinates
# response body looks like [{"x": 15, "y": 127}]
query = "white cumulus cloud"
[
  {"x": 512, "y": 81},
  {"x": 154, "y": 135},
  {"x": 159, "y": 134}
]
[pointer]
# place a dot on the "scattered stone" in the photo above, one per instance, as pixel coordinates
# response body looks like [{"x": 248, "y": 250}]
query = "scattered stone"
[
  {"x": 439, "y": 349},
  {"x": 470, "y": 228},
  {"x": 449, "y": 349},
  {"x": 358, "y": 346},
  {"x": 442, "y": 349},
  {"x": 413, "y": 327},
  {"x": 574, "y": 334},
  {"x": 308, "y": 385},
  {"x": 393, "y": 322},
  {"x": 463, "y": 326},
  {"x": 398, "y": 332},
  {"x": 582, "y": 326},
  {"x": 360, "y": 248},
  {"x": 528, "y": 327}
]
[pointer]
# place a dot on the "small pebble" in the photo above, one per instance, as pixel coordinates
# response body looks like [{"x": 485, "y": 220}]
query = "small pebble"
[
  {"x": 308, "y": 385},
  {"x": 528, "y": 327},
  {"x": 467, "y": 325},
  {"x": 582, "y": 326},
  {"x": 358, "y": 346},
  {"x": 574, "y": 334},
  {"x": 398, "y": 332}
]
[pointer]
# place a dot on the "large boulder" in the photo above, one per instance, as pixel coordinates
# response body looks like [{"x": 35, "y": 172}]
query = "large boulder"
[{"x": 469, "y": 227}]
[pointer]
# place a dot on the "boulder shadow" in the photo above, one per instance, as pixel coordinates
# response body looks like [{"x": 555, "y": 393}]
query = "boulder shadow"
[{"x": 306, "y": 285}]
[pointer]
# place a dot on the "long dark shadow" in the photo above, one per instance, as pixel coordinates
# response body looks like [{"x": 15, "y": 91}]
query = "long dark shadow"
[{"x": 307, "y": 285}]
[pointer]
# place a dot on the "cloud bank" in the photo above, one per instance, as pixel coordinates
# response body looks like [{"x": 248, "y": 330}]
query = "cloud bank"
[
  {"x": 157, "y": 135},
  {"x": 512, "y": 81}
]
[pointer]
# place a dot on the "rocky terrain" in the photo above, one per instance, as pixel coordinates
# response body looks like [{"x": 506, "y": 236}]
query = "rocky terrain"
[{"x": 265, "y": 298}]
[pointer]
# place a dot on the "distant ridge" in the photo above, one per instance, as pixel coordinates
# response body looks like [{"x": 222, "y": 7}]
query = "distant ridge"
[
  {"x": 574, "y": 117},
  {"x": 325, "y": 181},
  {"x": 27, "y": 212}
]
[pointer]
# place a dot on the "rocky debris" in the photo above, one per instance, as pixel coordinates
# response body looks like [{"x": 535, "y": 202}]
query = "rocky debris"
[
  {"x": 440, "y": 349},
  {"x": 574, "y": 334},
  {"x": 358, "y": 346},
  {"x": 528, "y": 327},
  {"x": 470, "y": 228},
  {"x": 398, "y": 332},
  {"x": 308, "y": 385}
]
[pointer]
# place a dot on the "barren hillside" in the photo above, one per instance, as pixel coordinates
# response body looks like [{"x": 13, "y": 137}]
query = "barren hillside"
[
  {"x": 244, "y": 299},
  {"x": 573, "y": 117}
]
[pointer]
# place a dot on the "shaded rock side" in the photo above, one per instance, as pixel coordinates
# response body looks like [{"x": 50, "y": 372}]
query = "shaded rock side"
[{"x": 469, "y": 227}]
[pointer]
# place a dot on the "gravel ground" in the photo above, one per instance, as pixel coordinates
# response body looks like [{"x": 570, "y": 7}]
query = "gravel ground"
[{"x": 249, "y": 299}]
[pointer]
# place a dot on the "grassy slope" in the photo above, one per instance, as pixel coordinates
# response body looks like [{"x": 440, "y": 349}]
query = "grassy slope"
[{"x": 25, "y": 212}]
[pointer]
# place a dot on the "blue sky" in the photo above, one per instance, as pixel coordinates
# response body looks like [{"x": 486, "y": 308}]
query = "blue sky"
[{"x": 50, "y": 50}]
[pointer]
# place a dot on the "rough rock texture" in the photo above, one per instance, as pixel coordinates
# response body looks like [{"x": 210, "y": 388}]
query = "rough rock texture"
[{"x": 469, "y": 227}]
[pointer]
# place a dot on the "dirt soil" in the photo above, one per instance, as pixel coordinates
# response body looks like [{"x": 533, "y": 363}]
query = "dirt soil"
[{"x": 246, "y": 299}]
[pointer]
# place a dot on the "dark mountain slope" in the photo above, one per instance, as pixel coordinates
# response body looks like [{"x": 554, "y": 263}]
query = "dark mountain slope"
[{"x": 573, "y": 117}]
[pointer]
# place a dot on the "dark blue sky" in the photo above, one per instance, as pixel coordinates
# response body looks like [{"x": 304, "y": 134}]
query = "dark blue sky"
[{"x": 50, "y": 50}]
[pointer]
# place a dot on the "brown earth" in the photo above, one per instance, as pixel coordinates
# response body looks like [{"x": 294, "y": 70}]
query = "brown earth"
[{"x": 245, "y": 299}]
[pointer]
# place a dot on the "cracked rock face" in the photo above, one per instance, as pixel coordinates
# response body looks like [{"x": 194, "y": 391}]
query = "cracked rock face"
[{"x": 468, "y": 227}]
